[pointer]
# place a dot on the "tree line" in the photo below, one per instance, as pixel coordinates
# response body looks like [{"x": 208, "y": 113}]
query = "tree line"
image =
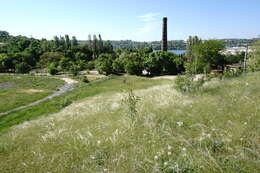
[{"x": 66, "y": 54}]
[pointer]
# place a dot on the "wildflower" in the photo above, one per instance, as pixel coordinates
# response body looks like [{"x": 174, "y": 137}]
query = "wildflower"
[
  {"x": 245, "y": 123},
  {"x": 169, "y": 147},
  {"x": 169, "y": 153},
  {"x": 165, "y": 163},
  {"x": 156, "y": 157},
  {"x": 98, "y": 142},
  {"x": 179, "y": 124},
  {"x": 105, "y": 170},
  {"x": 184, "y": 149},
  {"x": 81, "y": 137}
]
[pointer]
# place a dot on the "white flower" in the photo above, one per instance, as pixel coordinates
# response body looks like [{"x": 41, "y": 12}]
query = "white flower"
[
  {"x": 169, "y": 153},
  {"x": 179, "y": 124},
  {"x": 169, "y": 147},
  {"x": 184, "y": 149},
  {"x": 165, "y": 163},
  {"x": 245, "y": 123},
  {"x": 98, "y": 142},
  {"x": 156, "y": 157}
]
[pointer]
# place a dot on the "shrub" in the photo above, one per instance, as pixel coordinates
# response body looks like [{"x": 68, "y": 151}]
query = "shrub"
[
  {"x": 90, "y": 65},
  {"x": 118, "y": 65},
  {"x": 187, "y": 83},
  {"x": 163, "y": 63},
  {"x": 104, "y": 64},
  {"x": 232, "y": 73},
  {"x": 74, "y": 69},
  {"x": 22, "y": 68},
  {"x": 65, "y": 102},
  {"x": 52, "y": 69},
  {"x": 131, "y": 102},
  {"x": 84, "y": 79}
]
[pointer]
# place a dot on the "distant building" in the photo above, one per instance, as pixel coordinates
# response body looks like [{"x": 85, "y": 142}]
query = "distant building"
[{"x": 235, "y": 50}]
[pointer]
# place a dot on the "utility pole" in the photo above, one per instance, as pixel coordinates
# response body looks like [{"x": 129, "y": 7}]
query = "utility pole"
[{"x": 245, "y": 59}]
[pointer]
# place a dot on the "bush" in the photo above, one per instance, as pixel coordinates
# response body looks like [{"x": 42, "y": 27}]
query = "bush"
[
  {"x": 187, "y": 83},
  {"x": 84, "y": 79},
  {"x": 232, "y": 73},
  {"x": 134, "y": 64},
  {"x": 74, "y": 69},
  {"x": 22, "y": 68},
  {"x": 52, "y": 69},
  {"x": 104, "y": 64},
  {"x": 163, "y": 63},
  {"x": 131, "y": 102},
  {"x": 119, "y": 65},
  {"x": 90, "y": 65}
]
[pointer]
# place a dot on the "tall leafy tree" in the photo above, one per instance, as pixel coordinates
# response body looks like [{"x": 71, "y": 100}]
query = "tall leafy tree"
[
  {"x": 101, "y": 46},
  {"x": 67, "y": 41},
  {"x": 95, "y": 47}
]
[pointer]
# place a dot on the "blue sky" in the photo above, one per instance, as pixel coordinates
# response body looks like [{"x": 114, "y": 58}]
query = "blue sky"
[{"x": 131, "y": 19}]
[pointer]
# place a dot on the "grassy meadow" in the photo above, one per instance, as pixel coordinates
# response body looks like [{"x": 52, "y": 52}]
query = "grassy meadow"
[
  {"x": 82, "y": 90},
  {"x": 213, "y": 130},
  {"x": 18, "y": 90}
]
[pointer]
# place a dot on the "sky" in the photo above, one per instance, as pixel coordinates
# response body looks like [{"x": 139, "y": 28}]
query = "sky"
[{"x": 139, "y": 20}]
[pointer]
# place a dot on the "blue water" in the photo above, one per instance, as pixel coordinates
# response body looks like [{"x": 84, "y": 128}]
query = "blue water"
[{"x": 178, "y": 52}]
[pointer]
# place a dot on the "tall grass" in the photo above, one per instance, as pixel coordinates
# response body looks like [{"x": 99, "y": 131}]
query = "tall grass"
[{"x": 213, "y": 130}]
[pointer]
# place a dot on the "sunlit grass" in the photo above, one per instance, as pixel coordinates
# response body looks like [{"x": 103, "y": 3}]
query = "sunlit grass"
[
  {"x": 214, "y": 130},
  {"x": 25, "y": 89}
]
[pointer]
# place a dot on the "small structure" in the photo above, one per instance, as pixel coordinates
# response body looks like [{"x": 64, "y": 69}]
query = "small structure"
[{"x": 164, "y": 43}]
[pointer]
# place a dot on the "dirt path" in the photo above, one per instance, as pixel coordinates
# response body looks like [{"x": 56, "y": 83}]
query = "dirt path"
[{"x": 67, "y": 87}]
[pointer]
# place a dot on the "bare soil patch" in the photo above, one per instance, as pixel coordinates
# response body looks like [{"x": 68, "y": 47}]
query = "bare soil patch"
[{"x": 32, "y": 91}]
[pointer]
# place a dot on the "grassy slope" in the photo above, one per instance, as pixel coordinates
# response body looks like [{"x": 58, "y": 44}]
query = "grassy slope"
[
  {"x": 112, "y": 84},
  {"x": 16, "y": 96},
  {"x": 216, "y": 130}
]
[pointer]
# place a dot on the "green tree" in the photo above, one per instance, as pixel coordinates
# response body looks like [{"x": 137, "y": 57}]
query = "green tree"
[
  {"x": 134, "y": 64},
  {"x": 50, "y": 57},
  {"x": 5, "y": 62},
  {"x": 74, "y": 41},
  {"x": 22, "y": 67},
  {"x": 67, "y": 41},
  {"x": 4, "y": 36},
  {"x": 104, "y": 63},
  {"x": 108, "y": 47}
]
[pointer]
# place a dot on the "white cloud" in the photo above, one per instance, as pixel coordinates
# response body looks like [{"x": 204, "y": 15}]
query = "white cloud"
[
  {"x": 149, "y": 17},
  {"x": 149, "y": 23}
]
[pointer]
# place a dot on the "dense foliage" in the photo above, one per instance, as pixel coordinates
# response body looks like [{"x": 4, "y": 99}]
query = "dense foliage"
[{"x": 66, "y": 54}]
